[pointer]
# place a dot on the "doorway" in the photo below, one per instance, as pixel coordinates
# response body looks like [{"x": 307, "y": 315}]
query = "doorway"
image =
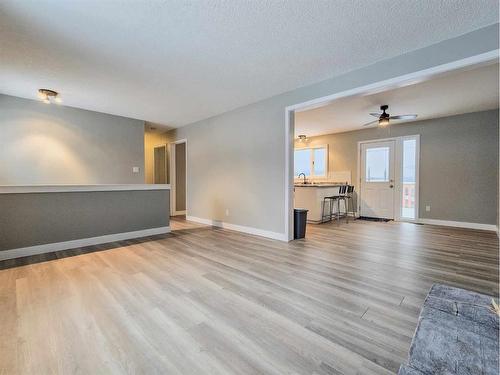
[
  {"x": 160, "y": 171},
  {"x": 388, "y": 171},
  {"x": 405, "y": 194},
  {"x": 178, "y": 178},
  {"x": 377, "y": 179}
]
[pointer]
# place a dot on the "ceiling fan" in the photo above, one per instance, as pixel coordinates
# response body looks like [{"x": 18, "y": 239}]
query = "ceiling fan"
[{"x": 383, "y": 118}]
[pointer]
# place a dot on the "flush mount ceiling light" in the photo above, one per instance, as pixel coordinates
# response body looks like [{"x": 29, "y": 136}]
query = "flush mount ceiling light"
[
  {"x": 49, "y": 96},
  {"x": 302, "y": 137}
]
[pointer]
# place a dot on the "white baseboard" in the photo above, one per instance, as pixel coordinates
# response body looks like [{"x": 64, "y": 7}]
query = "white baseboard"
[
  {"x": 459, "y": 224},
  {"x": 240, "y": 228},
  {"x": 50, "y": 247},
  {"x": 177, "y": 213}
]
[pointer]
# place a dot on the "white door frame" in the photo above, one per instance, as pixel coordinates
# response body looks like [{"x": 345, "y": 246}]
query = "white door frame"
[
  {"x": 398, "y": 173},
  {"x": 406, "y": 79},
  {"x": 173, "y": 205}
]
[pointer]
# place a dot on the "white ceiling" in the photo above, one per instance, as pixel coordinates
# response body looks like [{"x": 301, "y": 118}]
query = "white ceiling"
[
  {"x": 452, "y": 94},
  {"x": 174, "y": 62}
]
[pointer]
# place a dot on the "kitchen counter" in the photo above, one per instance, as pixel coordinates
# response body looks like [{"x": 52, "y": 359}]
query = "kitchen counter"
[
  {"x": 310, "y": 197},
  {"x": 319, "y": 185}
]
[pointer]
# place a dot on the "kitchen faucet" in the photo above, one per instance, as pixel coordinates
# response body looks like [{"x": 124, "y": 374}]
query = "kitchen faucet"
[{"x": 304, "y": 177}]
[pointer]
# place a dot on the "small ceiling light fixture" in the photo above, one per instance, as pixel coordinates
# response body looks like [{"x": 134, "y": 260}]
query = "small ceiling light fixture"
[
  {"x": 49, "y": 96},
  {"x": 302, "y": 138},
  {"x": 383, "y": 121}
]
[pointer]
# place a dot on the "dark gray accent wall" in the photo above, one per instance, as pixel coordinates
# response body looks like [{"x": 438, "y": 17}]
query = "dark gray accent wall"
[
  {"x": 31, "y": 219},
  {"x": 458, "y": 163},
  {"x": 54, "y": 144}
]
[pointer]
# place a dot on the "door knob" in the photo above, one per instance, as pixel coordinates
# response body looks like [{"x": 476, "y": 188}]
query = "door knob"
[{"x": 391, "y": 186}]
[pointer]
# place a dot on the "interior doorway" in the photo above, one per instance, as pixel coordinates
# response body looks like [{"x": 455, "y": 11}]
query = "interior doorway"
[
  {"x": 160, "y": 170},
  {"x": 406, "y": 151},
  {"x": 178, "y": 177}
]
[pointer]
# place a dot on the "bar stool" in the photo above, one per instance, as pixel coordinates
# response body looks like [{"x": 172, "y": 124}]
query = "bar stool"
[
  {"x": 331, "y": 201},
  {"x": 348, "y": 199}
]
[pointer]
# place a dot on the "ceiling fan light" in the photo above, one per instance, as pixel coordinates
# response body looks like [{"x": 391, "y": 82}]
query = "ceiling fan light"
[
  {"x": 383, "y": 121},
  {"x": 302, "y": 137}
]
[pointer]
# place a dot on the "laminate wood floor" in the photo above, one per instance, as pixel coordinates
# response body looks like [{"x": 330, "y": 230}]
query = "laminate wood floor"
[{"x": 211, "y": 301}]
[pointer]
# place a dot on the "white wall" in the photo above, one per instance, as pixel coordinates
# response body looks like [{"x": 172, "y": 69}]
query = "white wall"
[
  {"x": 52, "y": 144},
  {"x": 236, "y": 160}
]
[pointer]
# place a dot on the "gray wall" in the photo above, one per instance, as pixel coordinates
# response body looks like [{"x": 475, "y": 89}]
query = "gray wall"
[
  {"x": 31, "y": 219},
  {"x": 458, "y": 163},
  {"x": 52, "y": 144},
  {"x": 237, "y": 160}
]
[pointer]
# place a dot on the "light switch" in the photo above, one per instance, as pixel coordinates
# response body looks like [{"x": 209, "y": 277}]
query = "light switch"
[
  {"x": 135, "y": 169},
  {"x": 427, "y": 208}
]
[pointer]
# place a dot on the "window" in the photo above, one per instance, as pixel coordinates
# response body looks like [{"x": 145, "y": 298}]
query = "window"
[
  {"x": 408, "y": 208},
  {"x": 312, "y": 161},
  {"x": 302, "y": 161},
  {"x": 377, "y": 164}
]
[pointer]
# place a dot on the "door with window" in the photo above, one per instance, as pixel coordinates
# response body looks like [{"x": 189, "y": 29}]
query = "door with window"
[{"x": 377, "y": 179}]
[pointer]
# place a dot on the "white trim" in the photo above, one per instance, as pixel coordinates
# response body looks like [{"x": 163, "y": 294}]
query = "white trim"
[
  {"x": 177, "y": 213},
  {"x": 416, "y": 137},
  {"x": 289, "y": 172},
  {"x": 18, "y": 189},
  {"x": 459, "y": 224},
  {"x": 57, "y": 246},
  {"x": 406, "y": 79},
  {"x": 240, "y": 228}
]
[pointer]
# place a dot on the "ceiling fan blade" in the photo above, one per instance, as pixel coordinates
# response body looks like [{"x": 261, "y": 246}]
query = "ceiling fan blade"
[
  {"x": 403, "y": 117},
  {"x": 371, "y": 123},
  {"x": 375, "y": 114}
]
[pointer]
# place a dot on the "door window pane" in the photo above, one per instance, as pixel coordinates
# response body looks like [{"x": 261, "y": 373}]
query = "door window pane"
[
  {"x": 409, "y": 179},
  {"x": 302, "y": 162},
  {"x": 320, "y": 161},
  {"x": 377, "y": 164}
]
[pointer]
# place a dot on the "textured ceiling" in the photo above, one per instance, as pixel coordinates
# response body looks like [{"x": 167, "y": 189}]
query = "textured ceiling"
[
  {"x": 174, "y": 62},
  {"x": 454, "y": 93}
]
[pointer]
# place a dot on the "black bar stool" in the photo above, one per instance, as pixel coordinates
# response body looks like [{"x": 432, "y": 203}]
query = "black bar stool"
[
  {"x": 331, "y": 201},
  {"x": 348, "y": 199}
]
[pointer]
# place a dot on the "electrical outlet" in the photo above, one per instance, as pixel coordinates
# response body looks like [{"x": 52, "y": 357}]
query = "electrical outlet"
[
  {"x": 135, "y": 169},
  {"x": 427, "y": 208},
  {"x": 227, "y": 211}
]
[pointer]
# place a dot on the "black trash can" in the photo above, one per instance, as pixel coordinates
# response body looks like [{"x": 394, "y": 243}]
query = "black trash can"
[{"x": 299, "y": 223}]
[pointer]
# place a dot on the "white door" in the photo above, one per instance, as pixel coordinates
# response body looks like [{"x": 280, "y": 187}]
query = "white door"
[{"x": 377, "y": 179}]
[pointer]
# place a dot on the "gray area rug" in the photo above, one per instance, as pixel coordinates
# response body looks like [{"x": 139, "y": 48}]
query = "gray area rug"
[{"x": 457, "y": 334}]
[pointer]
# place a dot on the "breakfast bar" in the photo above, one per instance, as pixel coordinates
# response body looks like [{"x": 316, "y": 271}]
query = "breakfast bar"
[
  {"x": 45, "y": 218},
  {"x": 311, "y": 196}
]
